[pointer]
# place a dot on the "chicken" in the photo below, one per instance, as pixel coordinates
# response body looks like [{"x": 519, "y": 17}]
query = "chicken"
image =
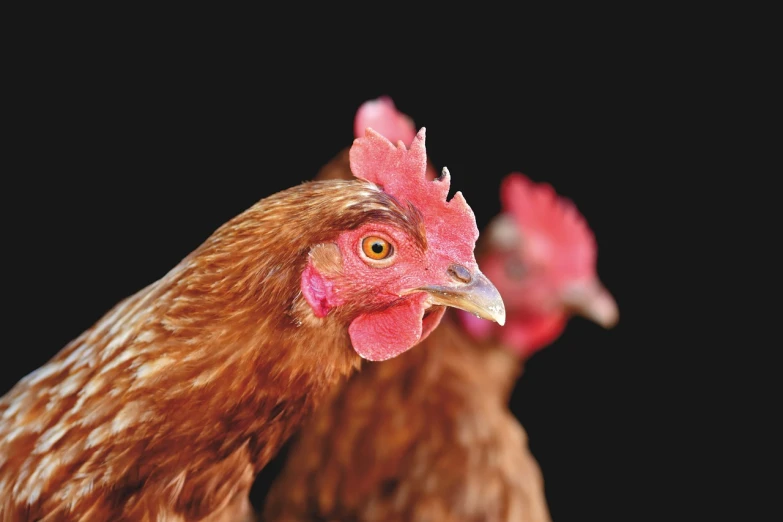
[
  {"x": 382, "y": 116},
  {"x": 429, "y": 436},
  {"x": 172, "y": 402}
]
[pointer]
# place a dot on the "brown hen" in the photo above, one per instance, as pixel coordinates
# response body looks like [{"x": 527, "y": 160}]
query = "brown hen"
[{"x": 170, "y": 404}]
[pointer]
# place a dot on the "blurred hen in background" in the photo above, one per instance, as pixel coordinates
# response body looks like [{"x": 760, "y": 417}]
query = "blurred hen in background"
[
  {"x": 174, "y": 400},
  {"x": 429, "y": 436}
]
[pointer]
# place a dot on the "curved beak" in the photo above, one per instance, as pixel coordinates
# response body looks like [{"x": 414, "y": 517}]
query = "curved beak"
[
  {"x": 594, "y": 302},
  {"x": 478, "y": 296}
]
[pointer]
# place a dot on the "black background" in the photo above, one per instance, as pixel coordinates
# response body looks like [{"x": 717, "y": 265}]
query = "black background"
[{"x": 127, "y": 153}]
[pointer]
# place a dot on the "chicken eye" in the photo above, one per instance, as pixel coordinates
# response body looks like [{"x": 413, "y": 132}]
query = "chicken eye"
[{"x": 376, "y": 248}]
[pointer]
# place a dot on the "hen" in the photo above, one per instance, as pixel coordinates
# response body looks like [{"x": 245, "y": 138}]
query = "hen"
[
  {"x": 172, "y": 402},
  {"x": 428, "y": 436}
]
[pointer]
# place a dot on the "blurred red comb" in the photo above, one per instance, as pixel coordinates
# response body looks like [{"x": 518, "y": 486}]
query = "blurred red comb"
[
  {"x": 382, "y": 115},
  {"x": 539, "y": 212}
]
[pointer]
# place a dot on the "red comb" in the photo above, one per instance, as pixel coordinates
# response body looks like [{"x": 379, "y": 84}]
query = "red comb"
[
  {"x": 541, "y": 214},
  {"x": 400, "y": 172},
  {"x": 382, "y": 115}
]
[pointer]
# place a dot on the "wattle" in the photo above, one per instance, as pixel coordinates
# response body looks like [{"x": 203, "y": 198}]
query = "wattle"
[{"x": 382, "y": 335}]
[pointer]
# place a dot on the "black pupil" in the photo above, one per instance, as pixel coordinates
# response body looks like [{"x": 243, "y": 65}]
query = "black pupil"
[{"x": 377, "y": 247}]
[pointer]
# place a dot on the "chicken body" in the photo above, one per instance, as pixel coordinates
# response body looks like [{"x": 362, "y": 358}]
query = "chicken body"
[
  {"x": 170, "y": 404},
  {"x": 427, "y": 436}
]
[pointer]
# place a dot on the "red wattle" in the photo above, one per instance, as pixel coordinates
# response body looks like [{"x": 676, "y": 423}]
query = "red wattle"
[{"x": 382, "y": 335}]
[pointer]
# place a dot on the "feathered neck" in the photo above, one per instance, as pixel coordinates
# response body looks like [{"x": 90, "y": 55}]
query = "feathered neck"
[
  {"x": 187, "y": 388},
  {"x": 485, "y": 363}
]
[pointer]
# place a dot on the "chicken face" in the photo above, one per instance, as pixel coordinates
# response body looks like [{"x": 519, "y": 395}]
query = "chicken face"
[
  {"x": 392, "y": 276},
  {"x": 541, "y": 255}
]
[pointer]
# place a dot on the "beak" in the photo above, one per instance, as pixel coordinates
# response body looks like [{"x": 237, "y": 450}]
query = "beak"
[
  {"x": 594, "y": 302},
  {"x": 474, "y": 294}
]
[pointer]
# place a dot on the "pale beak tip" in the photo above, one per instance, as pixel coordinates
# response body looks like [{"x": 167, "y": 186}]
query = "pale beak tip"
[
  {"x": 605, "y": 311},
  {"x": 595, "y": 303},
  {"x": 610, "y": 322},
  {"x": 500, "y": 316},
  {"x": 492, "y": 306},
  {"x": 601, "y": 309}
]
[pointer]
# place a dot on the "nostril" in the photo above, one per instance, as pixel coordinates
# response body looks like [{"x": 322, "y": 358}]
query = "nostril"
[{"x": 460, "y": 273}]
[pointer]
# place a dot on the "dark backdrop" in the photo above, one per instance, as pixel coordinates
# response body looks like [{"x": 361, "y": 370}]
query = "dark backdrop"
[{"x": 127, "y": 158}]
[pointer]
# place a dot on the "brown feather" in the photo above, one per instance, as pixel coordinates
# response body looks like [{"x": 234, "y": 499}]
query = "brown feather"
[
  {"x": 171, "y": 403},
  {"x": 425, "y": 436}
]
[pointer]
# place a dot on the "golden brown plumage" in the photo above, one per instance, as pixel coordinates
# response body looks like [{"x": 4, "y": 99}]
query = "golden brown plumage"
[
  {"x": 184, "y": 363},
  {"x": 170, "y": 404},
  {"x": 426, "y": 436}
]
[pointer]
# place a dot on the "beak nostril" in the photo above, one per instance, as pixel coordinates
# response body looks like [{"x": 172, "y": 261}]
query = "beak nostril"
[{"x": 460, "y": 273}]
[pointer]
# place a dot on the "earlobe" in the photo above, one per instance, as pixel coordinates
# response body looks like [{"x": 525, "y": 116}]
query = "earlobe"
[{"x": 317, "y": 287}]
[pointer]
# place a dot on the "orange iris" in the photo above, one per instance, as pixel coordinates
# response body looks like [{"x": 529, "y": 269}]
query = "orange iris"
[{"x": 376, "y": 248}]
